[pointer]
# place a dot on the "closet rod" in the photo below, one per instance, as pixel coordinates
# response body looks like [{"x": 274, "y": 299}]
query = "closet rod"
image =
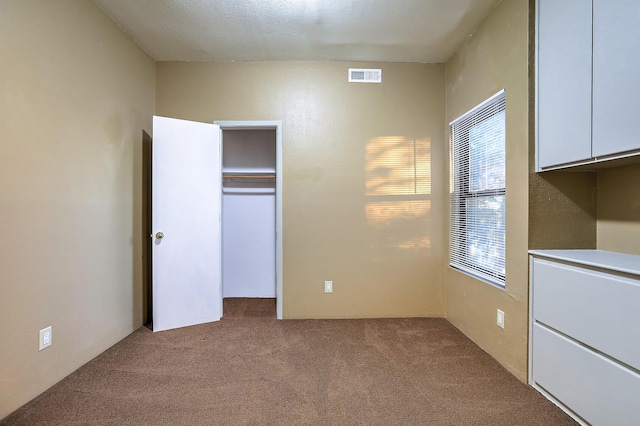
[{"x": 248, "y": 176}]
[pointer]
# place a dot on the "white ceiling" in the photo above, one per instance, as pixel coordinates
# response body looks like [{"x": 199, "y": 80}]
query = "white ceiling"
[{"x": 317, "y": 30}]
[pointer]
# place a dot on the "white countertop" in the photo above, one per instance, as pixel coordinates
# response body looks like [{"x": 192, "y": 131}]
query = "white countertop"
[{"x": 620, "y": 262}]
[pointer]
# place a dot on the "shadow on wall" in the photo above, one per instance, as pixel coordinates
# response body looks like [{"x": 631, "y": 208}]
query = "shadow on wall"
[
  {"x": 398, "y": 190},
  {"x": 146, "y": 230}
]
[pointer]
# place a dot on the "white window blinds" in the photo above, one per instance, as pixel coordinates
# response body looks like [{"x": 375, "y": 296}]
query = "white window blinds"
[{"x": 477, "y": 222}]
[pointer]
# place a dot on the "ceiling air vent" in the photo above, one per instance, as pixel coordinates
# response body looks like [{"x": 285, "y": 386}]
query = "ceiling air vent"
[{"x": 364, "y": 75}]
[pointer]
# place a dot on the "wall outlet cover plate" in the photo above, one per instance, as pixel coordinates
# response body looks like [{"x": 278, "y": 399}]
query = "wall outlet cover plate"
[{"x": 45, "y": 338}]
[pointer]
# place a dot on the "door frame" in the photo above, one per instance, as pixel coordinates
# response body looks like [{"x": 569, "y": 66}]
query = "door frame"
[{"x": 277, "y": 126}]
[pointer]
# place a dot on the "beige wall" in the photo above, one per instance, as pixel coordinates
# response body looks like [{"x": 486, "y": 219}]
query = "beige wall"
[
  {"x": 619, "y": 209},
  {"x": 562, "y": 210},
  {"x": 495, "y": 56},
  {"x": 75, "y": 96},
  {"x": 349, "y": 213}
]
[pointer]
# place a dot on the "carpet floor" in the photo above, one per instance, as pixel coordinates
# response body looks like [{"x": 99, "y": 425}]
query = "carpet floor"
[{"x": 251, "y": 369}]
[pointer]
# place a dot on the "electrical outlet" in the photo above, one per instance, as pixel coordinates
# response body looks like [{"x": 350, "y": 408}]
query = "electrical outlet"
[
  {"x": 500, "y": 318},
  {"x": 45, "y": 338},
  {"x": 328, "y": 286}
]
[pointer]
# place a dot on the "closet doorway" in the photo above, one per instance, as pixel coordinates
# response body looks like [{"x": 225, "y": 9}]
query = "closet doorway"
[{"x": 251, "y": 218}]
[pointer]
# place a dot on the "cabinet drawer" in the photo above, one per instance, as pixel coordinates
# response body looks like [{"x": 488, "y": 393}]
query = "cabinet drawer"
[
  {"x": 600, "y": 391},
  {"x": 598, "y": 309}
]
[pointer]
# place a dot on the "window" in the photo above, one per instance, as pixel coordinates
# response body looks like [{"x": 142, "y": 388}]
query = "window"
[{"x": 477, "y": 225}]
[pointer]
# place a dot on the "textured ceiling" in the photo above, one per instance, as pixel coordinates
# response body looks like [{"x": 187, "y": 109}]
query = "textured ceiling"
[{"x": 325, "y": 30}]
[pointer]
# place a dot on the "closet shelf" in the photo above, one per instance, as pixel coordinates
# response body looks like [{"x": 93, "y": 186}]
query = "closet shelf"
[
  {"x": 252, "y": 177},
  {"x": 247, "y": 190},
  {"x": 248, "y": 171}
]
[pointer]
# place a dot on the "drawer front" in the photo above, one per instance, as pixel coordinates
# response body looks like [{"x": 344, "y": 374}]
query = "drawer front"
[
  {"x": 598, "y": 390},
  {"x": 598, "y": 309}
]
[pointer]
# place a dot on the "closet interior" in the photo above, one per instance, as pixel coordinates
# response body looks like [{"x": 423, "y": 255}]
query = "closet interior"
[{"x": 249, "y": 213}]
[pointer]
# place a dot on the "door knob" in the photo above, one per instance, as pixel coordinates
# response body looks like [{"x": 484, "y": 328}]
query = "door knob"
[{"x": 160, "y": 235}]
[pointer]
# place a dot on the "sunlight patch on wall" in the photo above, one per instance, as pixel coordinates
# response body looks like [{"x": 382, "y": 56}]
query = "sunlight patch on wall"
[
  {"x": 403, "y": 224},
  {"x": 384, "y": 213},
  {"x": 416, "y": 243},
  {"x": 398, "y": 166},
  {"x": 398, "y": 188}
]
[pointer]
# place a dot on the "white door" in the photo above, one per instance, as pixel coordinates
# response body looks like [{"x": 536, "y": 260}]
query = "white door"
[{"x": 186, "y": 194}]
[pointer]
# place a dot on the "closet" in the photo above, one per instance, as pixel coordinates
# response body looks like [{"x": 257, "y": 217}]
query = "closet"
[
  {"x": 250, "y": 153},
  {"x": 216, "y": 222}
]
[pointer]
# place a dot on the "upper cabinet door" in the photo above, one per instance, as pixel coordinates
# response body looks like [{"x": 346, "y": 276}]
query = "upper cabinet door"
[
  {"x": 564, "y": 34},
  {"x": 616, "y": 88}
]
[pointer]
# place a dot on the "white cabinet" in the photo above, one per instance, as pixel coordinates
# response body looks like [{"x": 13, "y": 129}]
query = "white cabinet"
[
  {"x": 616, "y": 86},
  {"x": 563, "y": 82},
  {"x": 587, "y": 85},
  {"x": 585, "y": 333}
]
